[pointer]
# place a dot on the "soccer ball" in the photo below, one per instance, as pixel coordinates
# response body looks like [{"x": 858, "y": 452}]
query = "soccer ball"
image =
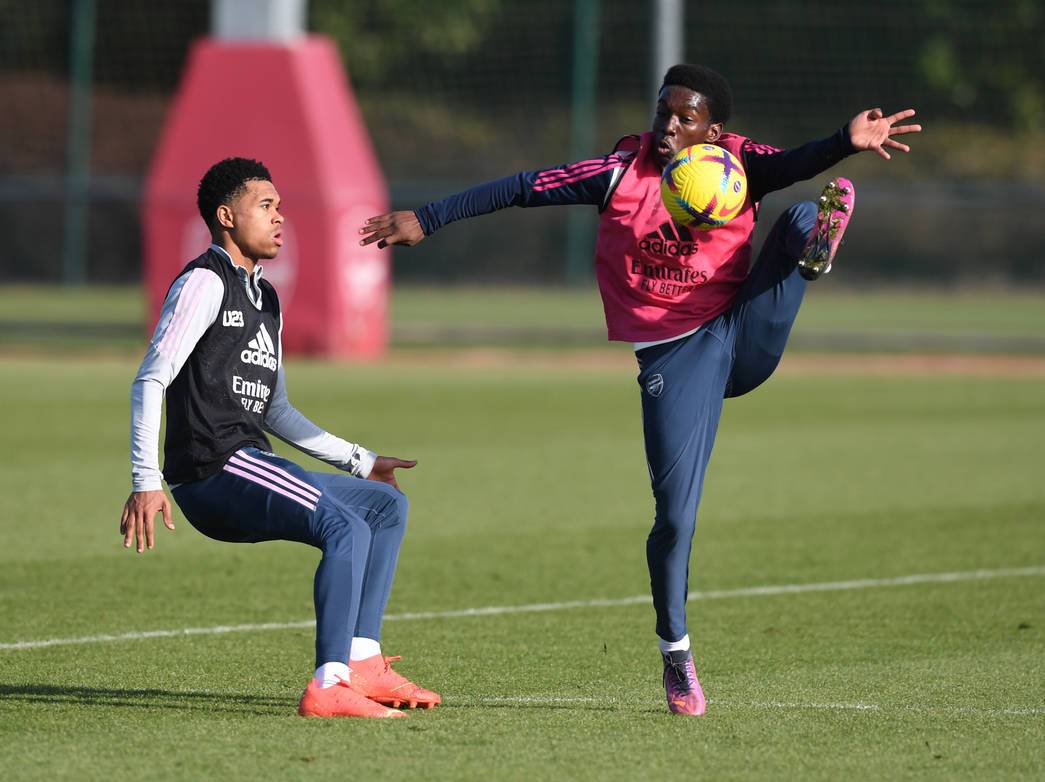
[{"x": 703, "y": 187}]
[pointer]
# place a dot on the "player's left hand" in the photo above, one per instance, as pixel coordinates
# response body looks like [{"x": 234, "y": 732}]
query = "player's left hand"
[
  {"x": 871, "y": 129},
  {"x": 385, "y": 467}
]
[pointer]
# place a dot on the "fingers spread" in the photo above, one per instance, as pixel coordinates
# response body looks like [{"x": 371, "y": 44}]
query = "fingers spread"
[
  {"x": 905, "y": 129},
  {"x": 901, "y": 115},
  {"x": 896, "y": 145}
]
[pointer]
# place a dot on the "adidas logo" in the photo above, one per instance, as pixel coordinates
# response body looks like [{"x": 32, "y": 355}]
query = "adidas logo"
[
  {"x": 260, "y": 351},
  {"x": 672, "y": 240}
]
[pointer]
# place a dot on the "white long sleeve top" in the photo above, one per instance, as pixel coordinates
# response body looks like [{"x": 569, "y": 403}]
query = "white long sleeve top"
[{"x": 183, "y": 320}]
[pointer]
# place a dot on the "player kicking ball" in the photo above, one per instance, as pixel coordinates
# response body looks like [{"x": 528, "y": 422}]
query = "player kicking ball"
[
  {"x": 217, "y": 354},
  {"x": 705, "y": 323}
]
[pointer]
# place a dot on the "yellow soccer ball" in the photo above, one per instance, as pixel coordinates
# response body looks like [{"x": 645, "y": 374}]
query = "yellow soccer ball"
[{"x": 703, "y": 187}]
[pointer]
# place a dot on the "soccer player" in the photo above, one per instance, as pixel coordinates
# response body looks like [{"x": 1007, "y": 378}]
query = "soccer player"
[
  {"x": 704, "y": 327},
  {"x": 217, "y": 354}
]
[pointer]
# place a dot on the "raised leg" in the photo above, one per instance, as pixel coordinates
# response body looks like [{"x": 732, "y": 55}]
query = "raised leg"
[{"x": 768, "y": 302}]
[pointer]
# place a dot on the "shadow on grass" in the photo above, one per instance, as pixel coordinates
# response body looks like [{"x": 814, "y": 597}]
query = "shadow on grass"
[
  {"x": 180, "y": 700},
  {"x": 256, "y": 705}
]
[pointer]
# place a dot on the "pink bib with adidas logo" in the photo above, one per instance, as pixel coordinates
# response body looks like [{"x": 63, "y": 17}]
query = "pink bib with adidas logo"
[{"x": 659, "y": 279}]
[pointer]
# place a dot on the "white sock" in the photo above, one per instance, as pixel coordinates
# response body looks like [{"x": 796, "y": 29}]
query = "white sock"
[
  {"x": 363, "y": 648},
  {"x": 329, "y": 674},
  {"x": 681, "y": 645}
]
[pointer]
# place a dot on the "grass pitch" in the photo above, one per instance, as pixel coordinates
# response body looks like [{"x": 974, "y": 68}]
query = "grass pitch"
[
  {"x": 45, "y": 318},
  {"x": 532, "y": 488}
]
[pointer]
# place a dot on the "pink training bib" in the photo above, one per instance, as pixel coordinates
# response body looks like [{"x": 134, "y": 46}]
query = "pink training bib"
[{"x": 659, "y": 279}]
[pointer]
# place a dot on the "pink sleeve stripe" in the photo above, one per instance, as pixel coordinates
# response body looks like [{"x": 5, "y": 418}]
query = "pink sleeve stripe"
[
  {"x": 269, "y": 486},
  {"x": 305, "y": 488},
  {"x": 760, "y": 149},
  {"x": 188, "y": 300},
  {"x": 576, "y": 177},
  {"x": 584, "y": 166}
]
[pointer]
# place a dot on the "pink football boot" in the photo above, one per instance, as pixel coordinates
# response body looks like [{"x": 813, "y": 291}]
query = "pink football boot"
[
  {"x": 681, "y": 685},
  {"x": 340, "y": 701},
  {"x": 374, "y": 678},
  {"x": 832, "y": 215}
]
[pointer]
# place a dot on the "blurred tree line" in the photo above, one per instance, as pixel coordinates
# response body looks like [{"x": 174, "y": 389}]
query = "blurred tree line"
[
  {"x": 961, "y": 58},
  {"x": 458, "y": 91}
]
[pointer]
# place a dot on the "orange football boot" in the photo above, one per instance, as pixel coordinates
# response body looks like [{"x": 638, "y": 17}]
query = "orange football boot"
[
  {"x": 340, "y": 701},
  {"x": 374, "y": 678}
]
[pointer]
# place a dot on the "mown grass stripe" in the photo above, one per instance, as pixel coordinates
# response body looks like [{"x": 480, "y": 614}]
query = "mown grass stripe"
[
  {"x": 555, "y": 700},
  {"x": 762, "y": 591}
]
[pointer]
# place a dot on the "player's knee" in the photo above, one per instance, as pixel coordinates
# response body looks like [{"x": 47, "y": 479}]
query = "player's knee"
[
  {"x": 671, "y": 524},
  {"x": 342, "y": 532},
  {"x": 391, "y": 510},
  {"x": 393, "y": 520},
  {"x": 402, "y": 508},
  {"x": 799, "y": 219},
  {"x": 801, "y": 212}
]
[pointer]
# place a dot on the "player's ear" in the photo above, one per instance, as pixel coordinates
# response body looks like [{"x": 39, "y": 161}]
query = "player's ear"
[
  {"x": 224, "y": 215},
  {"x": 714, "y": 131}
]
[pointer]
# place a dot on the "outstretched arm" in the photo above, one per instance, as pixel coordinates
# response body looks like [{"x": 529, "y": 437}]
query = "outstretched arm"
[
  {"x": 769, "y": 169},
  {"x": 586, "y": 182}
]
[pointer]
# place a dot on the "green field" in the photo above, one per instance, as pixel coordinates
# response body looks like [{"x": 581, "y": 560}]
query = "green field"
[
  {"x": 37, "y": 318},
  {"x": 532, "y": 489}
]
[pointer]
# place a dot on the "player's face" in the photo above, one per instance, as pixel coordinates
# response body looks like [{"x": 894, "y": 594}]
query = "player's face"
[
  {"x": 681, "y": 120},
  {"x": 257, "y": 225}
]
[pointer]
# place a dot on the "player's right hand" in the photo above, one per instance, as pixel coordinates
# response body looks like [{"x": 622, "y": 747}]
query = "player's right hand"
[
  {"x": 392, "y": 228},
  {"x": 137, "y": 519}
]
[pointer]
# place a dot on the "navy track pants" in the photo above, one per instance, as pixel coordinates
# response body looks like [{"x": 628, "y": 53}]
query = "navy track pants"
[
  {"x": 683, "y": 384},
  {"x": 357, "y": 524}
]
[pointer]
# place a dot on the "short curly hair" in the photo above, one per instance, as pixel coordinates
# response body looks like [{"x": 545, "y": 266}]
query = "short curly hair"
[
  {"x": 224, "y": 182},
  {"x": 709, "y": 83}
]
